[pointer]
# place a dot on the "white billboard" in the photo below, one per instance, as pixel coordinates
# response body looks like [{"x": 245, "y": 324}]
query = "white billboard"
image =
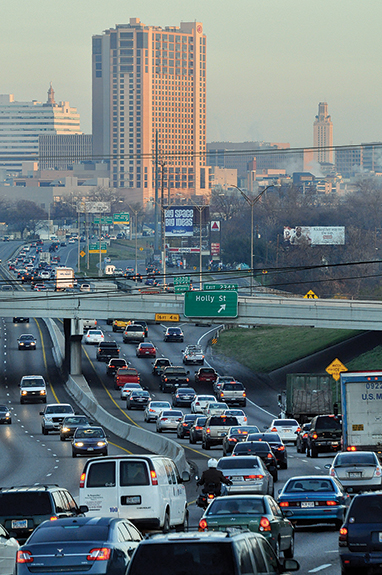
[{"x": 315, "y": 235}]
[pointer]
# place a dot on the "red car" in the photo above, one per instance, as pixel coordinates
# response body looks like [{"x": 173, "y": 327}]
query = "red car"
[
  {"x": 206, "y": 375},
  {"x": 126, "y": 375},
  {"x": 146, "y": 349}
]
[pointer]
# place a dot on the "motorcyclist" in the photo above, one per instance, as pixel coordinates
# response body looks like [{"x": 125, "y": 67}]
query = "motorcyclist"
[{"x": 213, "y": 478}]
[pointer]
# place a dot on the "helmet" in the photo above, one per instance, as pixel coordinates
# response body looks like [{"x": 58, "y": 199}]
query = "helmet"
[{"x": 212, "y": 463}]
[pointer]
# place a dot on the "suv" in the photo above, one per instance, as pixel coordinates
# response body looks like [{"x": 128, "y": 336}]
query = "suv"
[
  {"x": 32, "y": 388},
  {"x": 22, "y": 509},
  {"x": 173, "y": 377},
  {"x": 53, "y": 415},
  {"x": 216, "y": 428},
  {"x": 193, "y": 354},
  {"x": 232, "y": 393},
  {"x": 133, "y": 333},
  {"x": 106, "y": 350},
  {"x": 234, "y": 551},
  {"x": 324, "y": 435}
]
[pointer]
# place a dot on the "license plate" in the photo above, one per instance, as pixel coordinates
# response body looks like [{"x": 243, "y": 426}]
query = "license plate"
[
  {"x": 354, "y": 474},
  {"x": 19, "y": 523},
  {"x": 90, "y": 448},
  {"x": 133, "y": 500},
  {"x": 305, "y": 504},
  {"x": 287, "y": 430},
  {"x": 222, "y": 434},
  {"x": 237, "y": 479}
]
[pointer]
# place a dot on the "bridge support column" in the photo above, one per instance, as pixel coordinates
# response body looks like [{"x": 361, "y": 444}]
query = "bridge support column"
[{"x": 76, "y": 333}]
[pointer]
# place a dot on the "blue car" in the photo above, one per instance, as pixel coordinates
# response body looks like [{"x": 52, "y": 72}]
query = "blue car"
[{"x": 314, "y": 499}]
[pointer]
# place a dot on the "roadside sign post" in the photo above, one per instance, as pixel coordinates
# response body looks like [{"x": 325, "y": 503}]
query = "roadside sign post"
[
  {"x": 219, "y": 304},
  {"x": 182, "y": 284},
  {"x": 220, "y": 287}
]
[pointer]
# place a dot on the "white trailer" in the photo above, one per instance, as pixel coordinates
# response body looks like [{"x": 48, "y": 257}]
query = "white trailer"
[{"x": 64, "y": 279}]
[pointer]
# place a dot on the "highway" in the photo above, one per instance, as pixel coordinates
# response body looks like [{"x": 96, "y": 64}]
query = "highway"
[{"x": 29, "y": 457}]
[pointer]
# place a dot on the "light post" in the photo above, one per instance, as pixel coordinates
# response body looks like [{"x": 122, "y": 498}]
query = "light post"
[
  {"x": 135, "y": 212},
  {"x": 200, "y": 210},
  {"x": 252, "y": 202}
]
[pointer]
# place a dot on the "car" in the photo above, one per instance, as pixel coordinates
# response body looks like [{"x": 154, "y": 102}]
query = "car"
[
  {"x": 106, "y": 350},
  {"x": 215, "y": 408},
  {"x": 324, "y": 435},
  {"x": 89, "y": 440},
  {"x": 232, "y": 392},
  {"x": 208, "y": 553},
  {"x": 276, "y": 444},
  {"x": 215, "y": 429},
  {"x": 239, "y": 414},
  {"x": 359, "y": 545},
  {"x": 185, "y": 424},
  {"x": 5, "y": 416},
  {"x": 206, "y": 375},
  {"x": 128, "y": 388},
  {"x": 32, "y": 388},
  {"x": 200, "y": 402},
  {"x": 126, "y": 375},
  {"x": 237, "y": 434},
  {"x": 44, "y": 275},
  {"x": 248, "y": 475},
  {"x": 154, "y": 408},
  {"x": 120, "y": 324},
  {"x": 81, "y": 544},
  {"x": 40, "y": 287},
  {"x": 196, "y": 430},
  {"x": 69, "y": 425},
  {"x": 183, "y": 396},
  {"x": 159, "y": 365},
  {"x": 89, "y": 324},
  {"x": 138, "y": 398},
  {"x": 258, "y": 513},
  {"x": 133, "y": 333},
  {"x": 173, "y": 377},
  {"x": 147, "y": 349},
  {"x": 27, "y": 341},
  {"x": 53, "y": 415},
  {"x": 168, "y": 420},
  {"x": 114, "y": 364},
  {"x": 143, "y": 324},
  {"x": 357, "y": 470},
  {"x": 302, "y": 438},
  {"x": 220, "y": 380},
  {"x": 286, "y": 428},
  {"x": 85, "y": 288},
  {"x": 94, "y": 336},
  {"x": 193, "y": 354},
  {"x": 313, "y": 499},
  {"x": 23, "y": 508},
  {"x": 173, "y": 334},
  {"x": 263, "y": 450}
]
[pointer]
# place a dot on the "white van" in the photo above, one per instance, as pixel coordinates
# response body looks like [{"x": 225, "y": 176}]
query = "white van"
[{"x": 147, "y": 490}]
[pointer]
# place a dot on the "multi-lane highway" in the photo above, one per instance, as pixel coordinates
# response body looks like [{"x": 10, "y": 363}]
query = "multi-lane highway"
[{"x": 29, "y": 457}]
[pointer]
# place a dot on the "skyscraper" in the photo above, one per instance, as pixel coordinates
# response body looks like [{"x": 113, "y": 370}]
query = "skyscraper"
[
  {"x": 323, "y": 135},
  {"x": 149, "y": 93}
]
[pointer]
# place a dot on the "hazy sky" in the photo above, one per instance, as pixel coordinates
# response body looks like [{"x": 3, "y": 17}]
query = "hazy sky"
[{"x": 269, "y": 62}]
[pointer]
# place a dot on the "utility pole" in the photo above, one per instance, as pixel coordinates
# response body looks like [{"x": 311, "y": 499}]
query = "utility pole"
[{"x": 156, "y": 243}]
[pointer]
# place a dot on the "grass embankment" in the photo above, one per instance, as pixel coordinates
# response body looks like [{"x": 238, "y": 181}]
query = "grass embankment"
[
  {"x": 264, "y": 349},
  {"x": 370, "y": 360}
]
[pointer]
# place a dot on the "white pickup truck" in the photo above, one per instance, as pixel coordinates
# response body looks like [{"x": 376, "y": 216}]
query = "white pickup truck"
[{"x": 193, "y": 354}]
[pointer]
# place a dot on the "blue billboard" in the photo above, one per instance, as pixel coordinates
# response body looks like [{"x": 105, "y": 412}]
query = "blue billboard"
[{"x": 179, "y": 221}]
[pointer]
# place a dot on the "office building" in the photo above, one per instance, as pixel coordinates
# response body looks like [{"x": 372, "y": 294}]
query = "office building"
[
  {"x": 21, "y": 124},
  {"x": 323, "y": 135},
  {"x": 149, "y": 101},
  {"x": 60, "y": 151}
]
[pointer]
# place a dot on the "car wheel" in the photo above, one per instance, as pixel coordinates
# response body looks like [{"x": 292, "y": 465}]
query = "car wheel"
[
  {"x": 289, "y": 553},
  {"x": 62, "y": 438},
  {"x": 74, "y": 454},
  {"x": 21, "y": 401},
  {"x": 128, "y": 406},
  {"x": 206, "y": 445},
  {"x": 277, "y": 550},
  {"x": 183, "y": 526},
  {"x": 313, "y": 452},
  {"x": 275, "y": 475},
  {"x": 9, "y": 421},
  {"x": 307, "y": 451},
  {"x": 166, "y": 522},
  {"x": 299, "y": 450},
  {"x": 284, "y": 465},
  {"x": 159, "y": 430},
  {"x": 44, "y": 431},
  {"x": 191, "y": 439},
  {"x": 349, "y": 570}
]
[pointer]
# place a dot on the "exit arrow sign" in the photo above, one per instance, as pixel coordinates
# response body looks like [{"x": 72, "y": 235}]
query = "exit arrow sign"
[{"x": 210, "y": 304}]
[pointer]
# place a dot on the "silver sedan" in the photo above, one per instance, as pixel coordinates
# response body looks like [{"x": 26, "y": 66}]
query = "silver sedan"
[
  {"x": 357, "y": 470},
  {"x": 154, "y": 408},
  {"x": 248, "y": 475},
  {"x": 168, "y": 420}
]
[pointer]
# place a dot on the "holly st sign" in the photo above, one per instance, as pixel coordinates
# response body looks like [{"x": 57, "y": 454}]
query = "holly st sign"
[{"x": 210, "y": 304}]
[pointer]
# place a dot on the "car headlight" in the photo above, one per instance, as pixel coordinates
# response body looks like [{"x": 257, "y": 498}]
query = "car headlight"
[
  {"x": 48, "y": 418},
  {"x": 24, "y": 392},
  {"x": 65, "y": 429},
  {"x": 33, "y": 343},
  {"x": 101, "y": 443},
  {"x": 21, "y": 343},
  {"x": 79, "y": 444},
  {"x": 43, "y": 392}
]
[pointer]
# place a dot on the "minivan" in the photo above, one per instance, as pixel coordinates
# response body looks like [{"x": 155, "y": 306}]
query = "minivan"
[{"x": 147, "y": 490}]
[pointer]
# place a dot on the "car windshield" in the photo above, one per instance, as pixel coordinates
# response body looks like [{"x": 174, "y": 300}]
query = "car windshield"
[
  {"x": 346, "y": 459},
  {"x": 162, "y": 362},
  {"x": 21, "y": 504},
  {"x": 95, "y": 332},
  {"x": 238, "y": 463},
  {"x": 80, "y": 420},
  {"x": 157, "y": 404},
  {"x": 89, "y": 432},
  {"x": 366, "y": 509},
  {"x": 59, "y": 409},
  {"x": 301, "y": 485},
  {"x": 3, "y": 408},
  {"x": 327, "y": 423},
  {"x": 33, "y": 382},
  {"x": 245, "y": 506},
  {"x": 284, "y": 423},
  {"x": 172, "y": 413},
  {"x": 129, "y": 371},
  {"x": 186, "y": 390},
  {"x": 233, "y": 386},
  {"x": 173, "y": 331},
  {"x": 27, "y": 337},
  {"x": 71, "y": 532}
]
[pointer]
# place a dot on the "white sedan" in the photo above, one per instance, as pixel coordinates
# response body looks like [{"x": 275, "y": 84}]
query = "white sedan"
[
  {"x": 200, "y": 402},
  {"x": 239, "y": 414},
  {"x": 215, "y": 408},
  {"x": 128, "y": 388},
  {"x": 286, "y": 428},
  {"x": 154, "y": 408},
  {"x": 94, "y": 336}
]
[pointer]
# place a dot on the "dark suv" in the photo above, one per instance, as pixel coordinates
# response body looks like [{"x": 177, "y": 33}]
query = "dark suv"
[
  {"x": 324, "y": 435},
  {"x": 173, "y": 377},
  {"x": 23, "y": 508},
  {"x": 360, "y": 544},
  {"x": 225, "y": 552},
  {"x": 106, "y": 350}
]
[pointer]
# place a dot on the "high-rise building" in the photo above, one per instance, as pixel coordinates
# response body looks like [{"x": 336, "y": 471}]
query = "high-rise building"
[
  {"x": 59, "y": 151},
  {"x": 21, "y": 124},
  {"x": 149, "y": 101},
  {"x": 323, "y": 135}
]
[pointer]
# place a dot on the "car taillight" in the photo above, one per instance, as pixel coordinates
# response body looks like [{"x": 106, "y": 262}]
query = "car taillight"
[
  {"x": 331, "y": 503},
  {"x": 163, "y": 418},
  {"x": 284, "y": 504},
  {"x": 53, "y": 518},
  {"x": 154, "y": 478},
  {"x": 232, "y": 439},
  {"x": 281, "y": 448},
  {"x": 24, "y": 557},
  {"x": 274, "y": 429},
  {"x": 188, "y": 379},
  {"x": 351, "y": 448},
  {"x": 198, "y": 427},
  {"x": 202, "y": 525},
  {"x": 99, "y": 554},
  {"x": 343, "y": 535},
  {"x": 378, "y": 472},
  {"x": 185, "y": 424},
  {"x": 208, "y": 430},
  {"x": 253, "y": 476},
  {"x": 82, "y": 479},
  {"x": 244, "y": 394},
  {"x": 270, "y": 456},
  {"x": 211, "y": 496},
  {"x": 332, "y": 472},
  {"x": 314, "y": 435},
  {"x": 265, "y": 524},
  {"x": 298, "y": 430}
]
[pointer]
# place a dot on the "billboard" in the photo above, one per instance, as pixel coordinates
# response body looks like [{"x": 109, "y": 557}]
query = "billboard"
[
  {"x": 179, "y": 221},
  {"x": 315, "y": 235}
]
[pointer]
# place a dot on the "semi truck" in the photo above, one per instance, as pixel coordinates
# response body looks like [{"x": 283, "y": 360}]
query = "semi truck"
[
  {"x": 307, "y": 395},
  {"x": 45, "y": 257},
  {"x": 64, "y": 279},
  {"x": 362, "y": 410}
]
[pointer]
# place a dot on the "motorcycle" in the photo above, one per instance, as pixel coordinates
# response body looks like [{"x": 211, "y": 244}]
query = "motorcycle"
[{"x": 211, "y": 491}]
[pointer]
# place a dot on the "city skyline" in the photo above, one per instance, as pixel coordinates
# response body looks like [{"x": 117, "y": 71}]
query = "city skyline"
[{"x": 270, "y": 62}]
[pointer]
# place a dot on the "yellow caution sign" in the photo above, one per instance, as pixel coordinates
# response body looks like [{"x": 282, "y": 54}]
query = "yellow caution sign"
[
  {"x": 335, "y": 368},
  {"x": 82, "y": 253},
  {"x": 166, "y": 317},
  {"x": 311, "y": 295}
]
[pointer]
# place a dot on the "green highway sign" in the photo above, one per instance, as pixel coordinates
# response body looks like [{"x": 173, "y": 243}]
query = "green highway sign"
[
  {"x": 210, "y": 304},
  {"x": 105, "y": 220},
  {"x": 221, "y": 287},
  {"x": 95, "y": 247},
  {"x": 181, "y": 284},
  {"x": 122, "y": 218}
]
